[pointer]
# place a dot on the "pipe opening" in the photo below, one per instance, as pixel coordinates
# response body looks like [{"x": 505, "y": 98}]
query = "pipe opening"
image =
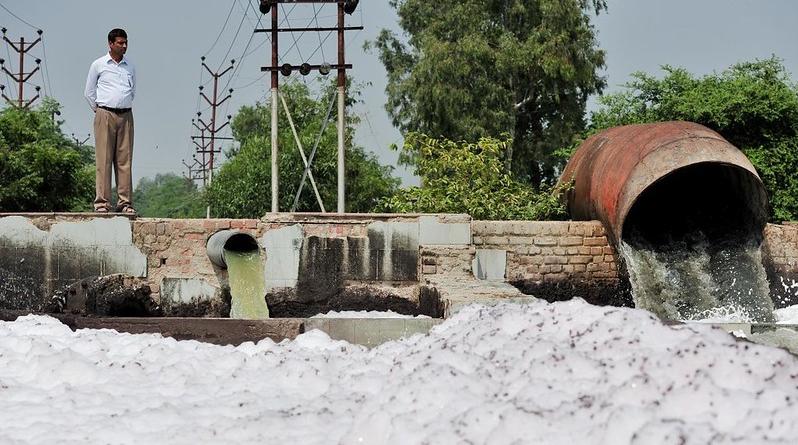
[
  {"x": 721, "y": 201},
  {"x": 229, "y": 241},
  {"x": 241, "y": 242},
  {"x": 691, "y": 243}
]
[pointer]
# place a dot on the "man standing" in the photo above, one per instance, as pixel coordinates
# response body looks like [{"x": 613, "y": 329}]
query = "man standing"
[{"x": 110, "y": 89}]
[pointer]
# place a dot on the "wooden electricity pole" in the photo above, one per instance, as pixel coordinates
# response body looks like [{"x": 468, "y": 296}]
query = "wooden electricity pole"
[
  {"x": 21, "y": 76},
  {"x": 208, "y": 130}
]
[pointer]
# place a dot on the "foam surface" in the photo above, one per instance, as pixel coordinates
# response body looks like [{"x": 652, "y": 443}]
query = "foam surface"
[{"x": 558, "y": 373}]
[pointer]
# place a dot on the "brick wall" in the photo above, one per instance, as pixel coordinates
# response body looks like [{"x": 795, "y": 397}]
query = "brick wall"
[
  {"x": 176, "y": 248},
  {"x": 549, "y": 250},
  {"x": 781, "y": 246}
]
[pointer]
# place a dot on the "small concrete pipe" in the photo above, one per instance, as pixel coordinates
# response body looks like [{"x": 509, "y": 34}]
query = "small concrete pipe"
[
  {"x": 233, "y": 240},
  {"x": 660, "y": 175}
]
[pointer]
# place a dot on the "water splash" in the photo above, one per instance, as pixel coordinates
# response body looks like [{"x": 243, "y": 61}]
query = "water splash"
[
  {"x": 694, "y": 279},
  {"x": 247, "y": 285}
]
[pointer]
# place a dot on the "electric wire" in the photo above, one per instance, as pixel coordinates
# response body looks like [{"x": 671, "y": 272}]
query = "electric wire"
[
  {"x": 296, "y": 41},
  {"x": 242, "y": 59},
  {"x": 46, "y": 71},
  {"x": 44, "y": 79},
  {"x": 17, "y": 17},
  {"x": 318, "y": 34},
  {"x": 235, "y": 37},
  {"x": 224, "y": 26}
]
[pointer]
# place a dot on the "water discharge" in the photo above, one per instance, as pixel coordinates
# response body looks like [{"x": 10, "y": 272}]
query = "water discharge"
[
  {"x": 247, "y": 285},
  {"x": 695, "y": 278}
]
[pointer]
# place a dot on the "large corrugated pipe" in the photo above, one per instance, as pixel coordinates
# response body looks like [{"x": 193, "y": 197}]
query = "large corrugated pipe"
[
  {"x": 232, "y": 240},
  {"x": 664, "y": 177}
]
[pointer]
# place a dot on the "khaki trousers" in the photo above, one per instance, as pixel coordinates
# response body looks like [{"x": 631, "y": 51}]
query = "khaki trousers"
[{"x": 113, "y": 135}]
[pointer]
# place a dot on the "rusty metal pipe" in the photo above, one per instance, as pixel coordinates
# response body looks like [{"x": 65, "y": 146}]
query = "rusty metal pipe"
[{"x": 612, "y": 169}]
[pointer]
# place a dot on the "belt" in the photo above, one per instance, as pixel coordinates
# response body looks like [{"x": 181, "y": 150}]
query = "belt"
[{"x": 115, "y": 110}]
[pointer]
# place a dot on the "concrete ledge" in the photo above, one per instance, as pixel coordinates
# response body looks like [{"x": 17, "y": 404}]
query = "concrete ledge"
[
  {"x": 225, "y": 331},
  {"x": 371, "y": 331},
  {"x": 70, "y": 214},
  {"x": 220, "y": 331}
]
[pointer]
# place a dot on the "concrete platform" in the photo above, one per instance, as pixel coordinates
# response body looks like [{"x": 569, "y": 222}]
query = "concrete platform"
[{"x": 225, "y": 331}]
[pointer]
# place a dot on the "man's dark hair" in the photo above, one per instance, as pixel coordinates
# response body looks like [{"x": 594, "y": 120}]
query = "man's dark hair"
[{"x": 116, "y": 32}]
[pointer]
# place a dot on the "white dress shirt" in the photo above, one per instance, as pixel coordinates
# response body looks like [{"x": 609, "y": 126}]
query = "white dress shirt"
[{"x": 111, "y": 84}]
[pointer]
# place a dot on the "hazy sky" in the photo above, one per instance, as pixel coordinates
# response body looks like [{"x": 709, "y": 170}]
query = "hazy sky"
[{"x": 167, "y": 39}]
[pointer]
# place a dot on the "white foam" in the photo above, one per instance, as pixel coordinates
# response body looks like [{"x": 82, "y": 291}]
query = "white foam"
[
  {"x": 538, "y": 373},
  {"x": 787, "y": 315}
]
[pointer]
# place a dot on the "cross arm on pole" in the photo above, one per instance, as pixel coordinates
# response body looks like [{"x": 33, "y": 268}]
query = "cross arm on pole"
[
  {"x": 200, "y": 147},
  {"x": 224, "y": 100},
  {"x": 11, "y": 43},
  {"x": 27, "y": 104},
  {"x": 210, "y": 102},
  {"x": 32, "y": 44},
  {"x": 30, "y": 74},
  {"x": 215, "y": 137},
  {"x": 317, "y": 29},
  {"x": 13, "y": 76},
  {"x": 220, "y": 129}
]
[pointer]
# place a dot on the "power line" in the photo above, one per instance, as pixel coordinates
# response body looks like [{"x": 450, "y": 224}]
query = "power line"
[
  {"x": 46, "y": 72},
  {"x": 221, "y": 31},
  {"x": 17, "y": 17},
  {"x": 230, "y": 48},
  {"x": 243, "y": 54}
]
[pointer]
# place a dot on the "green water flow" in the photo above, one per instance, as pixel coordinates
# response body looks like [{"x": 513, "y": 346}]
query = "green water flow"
[{"x": 247, "y": 285}]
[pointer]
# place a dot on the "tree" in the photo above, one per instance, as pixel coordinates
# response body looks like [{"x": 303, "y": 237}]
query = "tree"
[
  {"x": 470, "y": 178},
  {"x": 517, "y": 69},
  {"x": 168, "y": 196},
  {"x": 754, "y": 105},
  {"x": 40, "y": 170},
  {"x": 242, "y": 186}
]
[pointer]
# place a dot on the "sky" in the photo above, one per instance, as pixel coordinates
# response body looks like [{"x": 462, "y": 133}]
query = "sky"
[
  {"x": 559, "y": 373},
  {"x": 167, "y": 39}
]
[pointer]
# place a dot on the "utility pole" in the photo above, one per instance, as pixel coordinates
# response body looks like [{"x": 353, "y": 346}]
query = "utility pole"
[
  {"x": 341, "y": 108},
  {"x": 343, "y": 6},
  {"x": 196, "y": 169},
  {"x": 202, "y": 148},
  {"x": 208, "y": 130},
  {"x": 21, "y": 77},
  {"x": 78, "y": 142},
  {"x": 211, "y": 127}
]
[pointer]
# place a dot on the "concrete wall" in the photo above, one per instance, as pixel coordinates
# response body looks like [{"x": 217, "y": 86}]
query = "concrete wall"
[
  {"x": 319, "y": 262},
  {"x": 39, "y": 255},
  {"x": 311, "y": 261}
]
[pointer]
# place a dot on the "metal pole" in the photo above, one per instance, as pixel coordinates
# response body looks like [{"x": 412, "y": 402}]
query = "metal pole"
[
  {"x": 341, "y": 109},
  {"x": 213, "y": 136},
  {"x": 204, "y": 161},
  {"x": 275, "y": 170},
  {"x": 20, "y": 81}
]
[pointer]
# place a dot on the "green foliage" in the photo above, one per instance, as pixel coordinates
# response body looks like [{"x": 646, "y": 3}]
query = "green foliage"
[
  {"x": 168, "y": 196},
  {"x": 242, "y": 186},
  {"x": 754, "y": 105},
  {"x": 521, "y": 69},
  {"x": 40, "y": 170},
  {"x": 470, "y": 178}
]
